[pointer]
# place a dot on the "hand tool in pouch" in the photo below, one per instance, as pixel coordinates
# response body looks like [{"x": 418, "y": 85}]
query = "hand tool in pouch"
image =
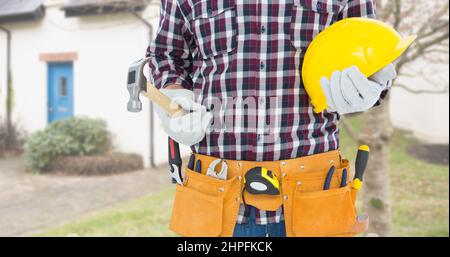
[
  {"x": 191, "y": 163},
  {"x": 362, "y": 159},
  {"x": 198, "y": 166},
  {"x": 344, "y": 178},
  {"x": 328, "y": 179},
  {"x": 260, "y": 181},
  {"x": 222, "y": 174},
  {"x": 175, "y": 162}
]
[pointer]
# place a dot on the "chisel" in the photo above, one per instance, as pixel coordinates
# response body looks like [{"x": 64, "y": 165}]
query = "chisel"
[{"x": 362, "y": 159}]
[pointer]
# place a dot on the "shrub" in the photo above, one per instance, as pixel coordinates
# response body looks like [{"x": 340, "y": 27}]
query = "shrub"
[
  {"x": 12, "y": 142},
  {"x": 114, "y": 163},
  {"x": 70, "y": 137}
]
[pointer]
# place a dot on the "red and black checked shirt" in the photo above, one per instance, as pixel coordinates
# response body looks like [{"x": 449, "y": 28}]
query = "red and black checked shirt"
[{"x": 243, "y": 60}]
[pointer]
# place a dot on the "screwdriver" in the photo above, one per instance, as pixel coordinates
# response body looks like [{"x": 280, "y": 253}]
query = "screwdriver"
[
  {"x": 175, "y": 162},
  {"x": 362, "y": 159}
]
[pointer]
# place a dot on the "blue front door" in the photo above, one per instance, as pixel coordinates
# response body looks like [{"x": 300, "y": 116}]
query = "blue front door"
[{"x": 60, "y": 91}]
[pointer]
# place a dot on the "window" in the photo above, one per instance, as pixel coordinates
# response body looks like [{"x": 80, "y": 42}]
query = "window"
[{"x": 63, "y": 86}]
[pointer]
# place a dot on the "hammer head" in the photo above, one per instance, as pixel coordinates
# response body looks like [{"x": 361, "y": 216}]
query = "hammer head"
[{"x": 136, "y": 84}]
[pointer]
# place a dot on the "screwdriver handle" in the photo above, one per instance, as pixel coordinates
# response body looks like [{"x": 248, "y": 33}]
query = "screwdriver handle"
[
  {"x": 362, "y": 158},
  {"x": 174, "y": 158}
]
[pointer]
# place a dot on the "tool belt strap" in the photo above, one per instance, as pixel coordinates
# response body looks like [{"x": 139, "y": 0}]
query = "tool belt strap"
[{"x": 283, "y": 168}]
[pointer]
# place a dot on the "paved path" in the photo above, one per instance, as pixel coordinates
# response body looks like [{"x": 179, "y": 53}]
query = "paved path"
[{"x": 33, "y": 203}]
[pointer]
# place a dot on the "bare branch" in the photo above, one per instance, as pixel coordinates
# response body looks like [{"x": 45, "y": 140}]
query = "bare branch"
[
  {"x": 419, "y": 49},
  {"x": 397, "y": 14},
  {"x": 422, "y": 91}
]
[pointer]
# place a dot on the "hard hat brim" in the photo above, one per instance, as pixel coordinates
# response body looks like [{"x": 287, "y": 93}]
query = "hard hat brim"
[{"x": 401, "y": 48}]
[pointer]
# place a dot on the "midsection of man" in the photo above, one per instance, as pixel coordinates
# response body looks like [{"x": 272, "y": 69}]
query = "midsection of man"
[
  {"x": 249, "y": 54},
  {"x": 243, "y": 61}
]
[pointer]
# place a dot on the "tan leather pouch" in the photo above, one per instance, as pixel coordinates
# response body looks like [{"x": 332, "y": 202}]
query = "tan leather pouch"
[
  {"x": 323, "y": 213},
  {"x": 311, "y": 211},
  {"x": 205, "y": 206}
]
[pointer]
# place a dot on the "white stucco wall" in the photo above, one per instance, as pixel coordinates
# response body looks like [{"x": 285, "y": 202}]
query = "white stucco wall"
[
  {"x": 106, "y": 45},
  {"x": 426, "y": 115}
]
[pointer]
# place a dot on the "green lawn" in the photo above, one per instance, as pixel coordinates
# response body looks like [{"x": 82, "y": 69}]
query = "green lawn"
[{"x": 420, "y": 193}]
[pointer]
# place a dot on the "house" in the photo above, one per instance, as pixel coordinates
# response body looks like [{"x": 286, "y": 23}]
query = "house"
[{"x": 70, "y": 58}]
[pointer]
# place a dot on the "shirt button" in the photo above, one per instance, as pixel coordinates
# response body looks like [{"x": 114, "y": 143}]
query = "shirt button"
[
  {"x": 263, "y": 29},
  {"x": 319, "y": 7},
  {"x": 259, "y": 138},
  {"x": 262, "y": 66},
  {"x": 210, "y": 11},
  {"x": 261, "y": 101}
]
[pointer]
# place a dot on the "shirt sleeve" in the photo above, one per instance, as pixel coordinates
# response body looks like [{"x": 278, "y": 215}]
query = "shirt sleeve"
[
  {"x": 170, "y": 52},
  {"x": 363, "y": 9},
  {"x": 359, "y": 8}
]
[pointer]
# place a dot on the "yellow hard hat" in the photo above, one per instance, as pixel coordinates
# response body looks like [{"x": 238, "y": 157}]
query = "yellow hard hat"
[{"x": 366, "y": 43}]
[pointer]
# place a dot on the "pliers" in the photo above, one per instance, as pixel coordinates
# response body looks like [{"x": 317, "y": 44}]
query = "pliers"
[{"x": 329, "y": 177}]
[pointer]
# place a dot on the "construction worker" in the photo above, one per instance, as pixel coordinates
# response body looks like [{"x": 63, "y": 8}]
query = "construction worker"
[{"x": 235, "y": 66}]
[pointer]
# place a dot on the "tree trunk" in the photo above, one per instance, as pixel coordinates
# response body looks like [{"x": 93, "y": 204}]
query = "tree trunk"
[{"x": 376, "y": 195}]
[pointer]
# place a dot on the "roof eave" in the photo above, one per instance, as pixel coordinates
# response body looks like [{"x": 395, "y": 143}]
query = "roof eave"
[
  {"x": 90, "y": 10},
  {"x": 38, "y": 14}
]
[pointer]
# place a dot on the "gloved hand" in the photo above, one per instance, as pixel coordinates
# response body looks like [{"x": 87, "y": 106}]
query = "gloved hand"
[
  {"x": 190, "y": 128},
  {"x": 350, "y": 91}
]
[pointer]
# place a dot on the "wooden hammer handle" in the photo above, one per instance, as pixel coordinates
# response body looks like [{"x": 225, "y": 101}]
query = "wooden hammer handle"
[{"x": 163, "y": 101}]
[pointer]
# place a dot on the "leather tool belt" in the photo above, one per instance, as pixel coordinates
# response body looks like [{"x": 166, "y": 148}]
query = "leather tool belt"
[{"x": 206, "y": 206}]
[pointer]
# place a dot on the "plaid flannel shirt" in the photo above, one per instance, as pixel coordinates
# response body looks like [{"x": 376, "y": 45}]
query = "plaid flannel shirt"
[{"x": 243, "y": 60}]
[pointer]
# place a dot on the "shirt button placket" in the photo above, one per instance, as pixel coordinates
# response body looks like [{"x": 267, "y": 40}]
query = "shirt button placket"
[
  {"x": 261, "y": 103},
  {"x": 319, "y": 7},
  {"x": 262, "y": 66}
]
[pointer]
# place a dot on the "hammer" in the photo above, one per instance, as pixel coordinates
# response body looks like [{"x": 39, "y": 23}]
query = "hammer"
[{"x": 137, "y": 84}]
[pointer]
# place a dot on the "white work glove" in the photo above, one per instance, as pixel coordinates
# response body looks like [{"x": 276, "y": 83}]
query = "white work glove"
[
  {"x": 350, "y": 91},
  {"x": 190, "y": 128}
]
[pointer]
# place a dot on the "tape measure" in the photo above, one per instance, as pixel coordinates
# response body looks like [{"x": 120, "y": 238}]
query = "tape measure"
[{"x": 260, "y": 181}]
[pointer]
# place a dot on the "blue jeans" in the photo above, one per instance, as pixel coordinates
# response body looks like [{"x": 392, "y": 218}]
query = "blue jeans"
[{"x": 251, "y": 229}]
